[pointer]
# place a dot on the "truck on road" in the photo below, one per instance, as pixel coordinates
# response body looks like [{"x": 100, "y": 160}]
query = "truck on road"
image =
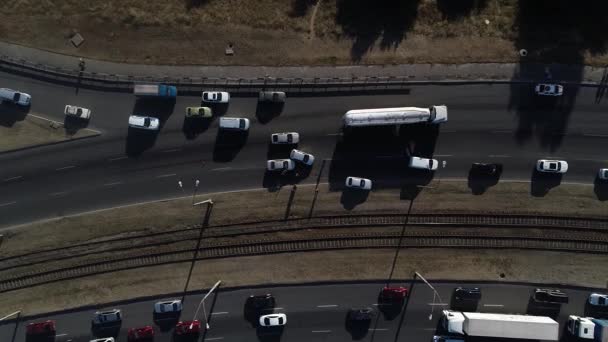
[
  {"x": 155, "y": 90},
  {"x": 476, "y": 324},
  {"x": 588, "y": 328},
  {"x": 395, "y": 116}
]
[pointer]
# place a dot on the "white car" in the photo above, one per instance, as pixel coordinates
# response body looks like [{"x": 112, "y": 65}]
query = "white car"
[
  {"x": 77, "y": 112},
  {"x": 105, "y": 339},
  {"x": 109, "y": 317},
  {"x": 423, "y": 163},
  {"x": 302, "y": 157},
  {"x": 603, "y": 174},
  {"x": 598, "y": 299},
  {"x": 285, "y": 138},
  {"x": 545, "y": 89},
  {"x": 144, "y": 122},
  {"x": 273, "y": 320},
  {"x": 170, "y": 306},
  {"x": 358, "y": 183},
  {"x": 551, "y": 166},
  {"x": 280, "y": 165},
  {"x": 216, "y": 97},
  {"x": 447, "y": 339},
  {"x": 15, "y": 96}
]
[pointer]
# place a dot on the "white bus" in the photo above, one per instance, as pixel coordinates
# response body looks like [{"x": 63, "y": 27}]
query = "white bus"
[{"x": 395, "y": 116}]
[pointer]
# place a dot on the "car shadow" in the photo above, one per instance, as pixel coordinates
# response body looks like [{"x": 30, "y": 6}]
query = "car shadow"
[
  {"x": 165, "y": 322},
  {"x": 479, "y": 183},
  {"x": 106, "y": 331},
  {"x": 274, "y": 180},
  {"x": 357, "y": 330},
  {"x": 269, "y": 334},
  {"x": 193, "y": 127},
  {"x": 352, "y": 197},
  {"x": 155, "y": 107},
  {"x": 279, "y": 151},
  {"x": 542, "y": 309},
  {"x": 11, "y": 113},
  {"x": 463, "y": 305},
  {"x": 266, "y": 111},
  {"x": 541, "y": 182},
  {"x": 72, "y": 124},
  {"x": 217, "y": 109},
  {"x": 600, "y": 188},
  {"x": 138, "y": 141},
  {"x": 228, "y": 144}
]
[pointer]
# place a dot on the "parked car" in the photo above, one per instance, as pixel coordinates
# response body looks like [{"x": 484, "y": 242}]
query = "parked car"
[
  {"x": 170, "y": 306},
  {"x": 393, "y": 294},
  {"x": 273, "y": 320},
  {"x": 280, "y": 165},
  {"x": 140, "y": 334},
  {"x": 272, "y": 96},
  {"x": 77, "y": 112},
  {"x": 188, "y": 328},
  {"x": 551, "y": 296},
  {"x": 358, "y": 183},
  {"x": 598, "y": 299},
  {"x": 104, "y": 339},
  {"x": 552, "y": 166},
  {"x": 285, "y": 138},
  {"x": 216, "y": 97},
  {"x": 467, "y": 293},
  {"x": 546, "y": 89},
  {"x": 235, "y": 124},
  {"x": 39, "y": 329},
  {"x": 15, "y": 96},
  {"x": 259, "y": 303},
  {"x": 109, "y": 317},
  {"x": 144, "y": 122},
  {"x": 603, "y": 174},
  {"x": 303, "y": 157},
  {"x": 198, "y": 112},
  {"x": 423, "y": 163}
]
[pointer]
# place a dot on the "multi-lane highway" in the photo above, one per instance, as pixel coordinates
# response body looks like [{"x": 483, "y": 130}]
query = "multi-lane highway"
[
  {"x": 313, "y": 313},
  {"x": 492, "y": 123}
]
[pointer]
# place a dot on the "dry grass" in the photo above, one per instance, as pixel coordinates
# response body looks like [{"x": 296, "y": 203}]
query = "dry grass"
[
  {"x": 32, "y": 131},
  {"x": 275, "y": 32}
]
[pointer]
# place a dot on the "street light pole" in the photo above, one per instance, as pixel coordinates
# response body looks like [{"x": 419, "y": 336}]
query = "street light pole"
[
  {"x": 202, "y": 303},
  {"x": 9, "y": 315},
  {"x": 435, "y": 293},
  {"x": 195, "y": 189}
]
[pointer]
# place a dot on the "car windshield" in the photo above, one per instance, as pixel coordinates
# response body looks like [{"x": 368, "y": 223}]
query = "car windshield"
[
  {"x": 553, "y": 166},
  {"x": 218, "y": 96},
  {"x": 362, "y": 183},
  {"x": 147, "y": 122},
  {"x": 16, "y": 97},
  {"x": 305, "y": 158},
  {"x": 241, "y": 124}
]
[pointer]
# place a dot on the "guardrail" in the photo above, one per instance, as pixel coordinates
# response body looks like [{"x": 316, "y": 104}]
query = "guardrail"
[{"x": 242, "y": 86}]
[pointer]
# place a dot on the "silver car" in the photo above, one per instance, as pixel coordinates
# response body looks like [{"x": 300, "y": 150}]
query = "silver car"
[
  {"x": 551, "y": 166},
  {"x": 302, "y": 157},
  {"x": 280, "y": 165},
  {"x": 358, "y": 183},
  {"x": 545, "y": 89}
]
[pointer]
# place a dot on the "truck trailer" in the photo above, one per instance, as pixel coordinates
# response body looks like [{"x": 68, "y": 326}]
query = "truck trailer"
[
  {"x": 600, "y": 332},
  {"x": 495, "y": 325},
  {"x": 155, "y": 90},
  {"x": 395, "y": 116}
]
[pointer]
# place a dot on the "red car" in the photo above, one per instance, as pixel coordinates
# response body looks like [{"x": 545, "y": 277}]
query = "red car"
[
  {"x": 393, "y": 294},
  {"x": 41, "y": 328},
  {"x": 188, "y": 328},
  {"x": 141, "y": 334}
]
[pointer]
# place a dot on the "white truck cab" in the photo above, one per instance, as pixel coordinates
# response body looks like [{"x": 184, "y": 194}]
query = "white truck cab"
[{"x": 581, "y": 327}]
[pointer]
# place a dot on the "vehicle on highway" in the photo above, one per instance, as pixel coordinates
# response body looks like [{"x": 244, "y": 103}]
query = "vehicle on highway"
[
  {"x": 301, "y": 156},
  {"x": 259, "y": 303},
  {"x": 216, "y": 97},
  {"x": 551, "y": 166},
  {"x": 15, "y": 96},
  {"x": 273, "y": 320},
  {"x": 108, "y": 317},
  {"x": 598, "y": 299},
  {"x": 360, "y": 315},
  {"x": 237, "y": 124},
  {"x": 395, "y": 116},
  {"x": 104, "y": 339},
  {"x": 155, "y": 90},
  {"x": 198, "y": 112},
  {"x": 272, "y": 96},
  {"x": 140, "y": 334},
  {"x": 486, "y": 169},
  {"x": 41, "y": 329},
  {"x": 280, "y": 165},
  {"x": 551, "y": 296},
  {"x": 447, "y": 339},
  {"x": 392, "y": 295},
  {"x": 285, "y": 138},
  {"x": 358, "y": 183},
  {"x": 170, "y": 306},
  {"x": 582, "y": 327},
  {"x": 77, "y": 112},
  {"x": 423, "y": 163},
  {"x": 188, "y": 328},
  {"x": 144, "y": 122},
  {"x": 603, "y": 174},
  {"x": 467, "y": 293},
  {"x": 547, "y": 89}
]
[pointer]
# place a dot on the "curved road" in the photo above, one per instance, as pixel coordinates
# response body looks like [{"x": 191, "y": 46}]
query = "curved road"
[{"x": 498, "y": 123}]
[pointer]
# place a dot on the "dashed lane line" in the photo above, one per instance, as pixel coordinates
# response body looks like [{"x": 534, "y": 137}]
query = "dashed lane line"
[
  {"x": 167, "y": 175},
  {"x": 59, "y": 193},
  {"x": 220, "y": 313},
  {"x": 8, "y": 203},
  {"x": 499, "y": 156},
  {"x": 118, "y": 158},
  {"x": 327, "y": 306},
  {"x": 12, "y": 178},
  {"x": 113, "y": 183},
  {"x": 172, "y": 150},
  {"x": 321, "y": 331},
  {"x": 493, "y": 305},
  {"x": 214, "y": 338},
  {"x": 65, "y": 168}
]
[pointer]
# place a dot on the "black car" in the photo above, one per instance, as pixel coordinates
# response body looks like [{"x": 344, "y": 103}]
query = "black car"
[
  {"x": 551, "y": 296},
  {"x": 360, "y": 314},
  {"x": 467, "y": 293},
  {"x": 260, "y": 303},
  {"x": 486, "y": 169}
]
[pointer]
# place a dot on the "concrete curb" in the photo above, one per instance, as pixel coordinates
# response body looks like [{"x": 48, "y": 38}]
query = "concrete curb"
[{"x": 96, "y": 134}]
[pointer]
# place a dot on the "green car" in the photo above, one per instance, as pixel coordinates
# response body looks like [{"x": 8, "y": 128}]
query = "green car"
[{"x": 198, "y": 112}]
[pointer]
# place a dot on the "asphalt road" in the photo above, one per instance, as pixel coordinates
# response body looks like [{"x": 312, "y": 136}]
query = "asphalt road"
[
  {"x": 313, "y": 313},
  {"x": 491, "y": 123}
]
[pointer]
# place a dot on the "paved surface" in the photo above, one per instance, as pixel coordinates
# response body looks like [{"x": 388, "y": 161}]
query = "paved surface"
[
  {"x": 313, "y": 313},
  {"x": 498, "y": 123}
]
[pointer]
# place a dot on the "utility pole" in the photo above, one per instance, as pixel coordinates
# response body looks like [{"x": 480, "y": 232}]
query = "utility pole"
[{"x": 202, "y": 303}]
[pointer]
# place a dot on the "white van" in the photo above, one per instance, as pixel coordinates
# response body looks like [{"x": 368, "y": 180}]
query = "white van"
[
  {"x": 238, "y": 124},
  {"x": 423, "y": 163},
  {"x": 14, "y": 96}
]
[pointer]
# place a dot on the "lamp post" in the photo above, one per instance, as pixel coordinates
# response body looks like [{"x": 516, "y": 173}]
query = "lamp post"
[
  {"x": 202, "y": 303},
  {"x": 195, "y": 189},
  {"x": 9, "y": 315},
  {"x": 435, "y": 293}
]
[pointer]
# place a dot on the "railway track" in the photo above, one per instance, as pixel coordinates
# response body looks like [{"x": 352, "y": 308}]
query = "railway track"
[{"x": 559, "y": 234}]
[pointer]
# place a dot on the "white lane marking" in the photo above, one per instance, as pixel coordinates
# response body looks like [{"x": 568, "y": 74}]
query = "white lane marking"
[
  {"x": 167, "y": 175},
  {"x": 327, "y": 306},
  {"x": 65, "y": 167},
  {"x": 222, "y": 168},
  {"x": 279, "y": 308},
  {"x": 502, "y": 131},
  {"x": 377, "y": 329},
  {"x": 59, "y": 193},
  {"x": 13, "y": 178},
  {"x": 499, "y": 156},
  {"x": 430, "y": 329},
  {"x": 8, "y": 203},
  {"x": 448, "y": 131},
  {"x": 113, "y": 183},
  {"x": 220, "y": 313},
  {"x": 553, "y": 157},
  {"x": 118, "y": 158},
  {"x": 494, "y": 305},
  {"x": 437, "y": 304},
  {"x": 59, "y": 335},
  {"x": 321, "y": 331},
  {"x": 443, "y": 155},
  {"x": 333, "y": 134},
  {"x": 214, "y": 338},
  {"x": 596, "y": 135},
  {"x": 172, "y": 150}
]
